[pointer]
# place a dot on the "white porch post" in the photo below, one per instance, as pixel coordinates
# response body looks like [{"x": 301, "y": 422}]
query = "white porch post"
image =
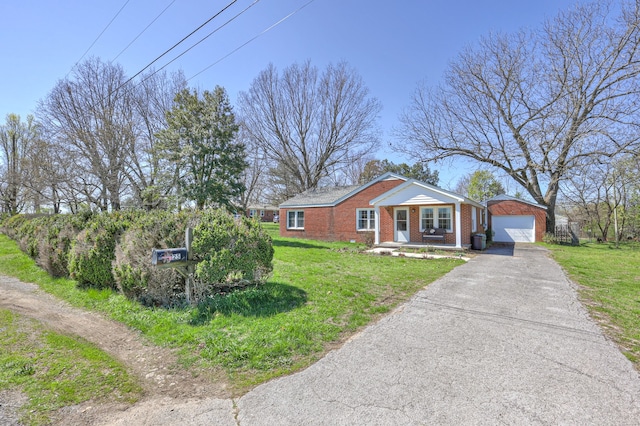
[
  {"x": 458, "y": 227},
  {"x": 377, "y": 226}
]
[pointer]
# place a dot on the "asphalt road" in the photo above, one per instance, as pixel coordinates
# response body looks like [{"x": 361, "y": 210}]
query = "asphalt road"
[{"x": 502, "y": 339}]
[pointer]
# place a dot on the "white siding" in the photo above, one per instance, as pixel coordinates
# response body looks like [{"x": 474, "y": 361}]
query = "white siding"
[{"x": 416, "y": 195}]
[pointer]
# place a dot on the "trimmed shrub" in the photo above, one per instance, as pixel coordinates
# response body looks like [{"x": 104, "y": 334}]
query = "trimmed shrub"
[
  {"x": 46, "y": 238},
  {"x": 231, "y": 251},
  {"x": 57, "y": 233},
  {"x": 11, "y": 226},
  {"x": 132, "y": 269},
  {"x": 93, "y": 251}
]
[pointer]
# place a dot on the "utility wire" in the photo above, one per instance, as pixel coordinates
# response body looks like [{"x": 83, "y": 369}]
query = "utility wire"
[
  {"x": 145, "y": 29},
  {"x": 97, "y": 38},
  {"x": 252, "y": 39},
  {"x": 201, "y": 40},
  {"x": 175, "y": 45}
]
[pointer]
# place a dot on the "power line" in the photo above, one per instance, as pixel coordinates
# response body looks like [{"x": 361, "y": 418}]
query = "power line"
[
  {"x": 175, "y": 45},
  {"x": 99, "y": 35},
  {"x": 252, "y": 39},
  {"x": 145, "y": 29},
  {"x": 201, "y": 40}
]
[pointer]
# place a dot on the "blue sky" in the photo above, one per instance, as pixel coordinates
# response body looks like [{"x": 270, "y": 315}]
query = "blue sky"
[{"x": 393, "y": 45}]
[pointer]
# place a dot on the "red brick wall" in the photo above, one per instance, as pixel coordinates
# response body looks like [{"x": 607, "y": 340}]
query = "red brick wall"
[
  {"x": 337, "y": 223},
  {"x": 386, "y": 224},
  {"x": 467, "y": 222},
  {"x": 414, "y": 224},
  {"x": 518, "y": 208},
  {"x": 316, "y": 224}
]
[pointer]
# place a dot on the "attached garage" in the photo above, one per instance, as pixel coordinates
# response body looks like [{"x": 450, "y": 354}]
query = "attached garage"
[{"x": 516, "y": 221}]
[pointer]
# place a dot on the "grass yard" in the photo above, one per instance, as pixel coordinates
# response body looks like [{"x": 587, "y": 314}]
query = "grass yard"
[
  {"x": 53, "y": 370},
  {"x": 319, "y": 294},
  {"x": 609, "y": 280}
]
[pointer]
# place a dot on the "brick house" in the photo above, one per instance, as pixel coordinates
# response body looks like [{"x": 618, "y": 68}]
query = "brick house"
[
  {"x": 391, "y": 207},
  {"x": 265, "y": 213},
  {"x": 514, "y": 220}
]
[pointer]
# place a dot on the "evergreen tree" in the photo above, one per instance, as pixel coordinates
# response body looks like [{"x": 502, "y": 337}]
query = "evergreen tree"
[{"x": 200, "y": 140}]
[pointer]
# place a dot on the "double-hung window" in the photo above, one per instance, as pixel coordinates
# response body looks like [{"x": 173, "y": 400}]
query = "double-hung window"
[
  {"x": 444, "y": 218},
  {"x": 436, "y": 217},
  {"x": 295, "y": 219},
  {"x": 366, "y": 219},
  {"x": 427, "y": 220},
  {"x": 474, "y": 219}
]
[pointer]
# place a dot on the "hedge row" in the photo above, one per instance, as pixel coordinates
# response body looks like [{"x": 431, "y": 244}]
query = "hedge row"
[{"x": 113, "y": 250}]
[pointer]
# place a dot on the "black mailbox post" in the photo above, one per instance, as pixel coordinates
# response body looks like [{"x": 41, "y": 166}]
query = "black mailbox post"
[{"x": 178, "y": 259}]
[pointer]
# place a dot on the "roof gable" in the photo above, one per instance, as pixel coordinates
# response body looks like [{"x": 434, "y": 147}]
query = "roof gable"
[
  {"x": 333, "y": 195},
  {"x": 414, "y": 192}
]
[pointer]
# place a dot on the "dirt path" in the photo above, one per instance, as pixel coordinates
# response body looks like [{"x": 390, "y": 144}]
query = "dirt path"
[{"x": 165, "y": 383}]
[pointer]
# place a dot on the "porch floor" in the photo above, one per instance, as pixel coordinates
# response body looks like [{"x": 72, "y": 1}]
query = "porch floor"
[{"x": 412, "y": 245}]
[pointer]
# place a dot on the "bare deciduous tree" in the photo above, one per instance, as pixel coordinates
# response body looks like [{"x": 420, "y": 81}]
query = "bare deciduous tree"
[
  {"x": 594, "y": 191},
  {"x": 254, "y": 176},
  {"x": 16, "y": 140},
  {"x": 310, "y": 124},
  {"x": 92, "y": 118},
  {"x": 150, "y": 176},
  {"x": 537, "y": 104}
]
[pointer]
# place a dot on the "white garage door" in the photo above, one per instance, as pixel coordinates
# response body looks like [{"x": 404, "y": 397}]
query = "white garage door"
[{"x": 514, "y": 229}]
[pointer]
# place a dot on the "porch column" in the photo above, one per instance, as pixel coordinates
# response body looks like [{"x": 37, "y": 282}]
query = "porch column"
[
  {"x": 458, "y": 227},
  {"x": 377, "y": 226}
]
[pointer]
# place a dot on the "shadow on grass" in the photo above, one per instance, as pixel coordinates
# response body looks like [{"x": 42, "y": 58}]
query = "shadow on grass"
[
  {"x": 260, "y": 301},
  {"x": 298, "y": 244}
]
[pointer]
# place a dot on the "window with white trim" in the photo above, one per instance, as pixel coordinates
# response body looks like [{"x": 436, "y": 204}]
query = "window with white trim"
[
  {"x": 426, "y": 218},
  {"x": 261, "y": 213},
  {"x": 365, "y": 219},
  {"x": 295, "y": 219},
  {"x": 252, "y": 212},
  {"x": 474, "y": 219},
  {"x": 444, "y": 218},
  {"x": 436, "y": 217}
]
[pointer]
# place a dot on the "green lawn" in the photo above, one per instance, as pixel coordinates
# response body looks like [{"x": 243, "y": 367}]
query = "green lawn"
[
  {"x": 319, "y": 294},
  {"x": 609, "y": 280},
  {"x": 54, "y": 370}
]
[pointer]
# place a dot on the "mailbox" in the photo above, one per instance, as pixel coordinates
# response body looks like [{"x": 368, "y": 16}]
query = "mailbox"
[{"x": 169, "y": 256}]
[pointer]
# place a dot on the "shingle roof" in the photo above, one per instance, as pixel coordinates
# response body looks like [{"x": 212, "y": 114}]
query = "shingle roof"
[
  {"x": 505, "y": 197},
  {"x": 319, "y": 197}
]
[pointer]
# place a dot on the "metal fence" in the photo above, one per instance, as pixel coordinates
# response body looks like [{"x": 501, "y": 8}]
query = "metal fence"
[{"x": 568, "y": 233}]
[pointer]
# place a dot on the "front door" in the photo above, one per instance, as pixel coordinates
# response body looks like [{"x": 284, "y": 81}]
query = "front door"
[{"x": 401, "y": 222}]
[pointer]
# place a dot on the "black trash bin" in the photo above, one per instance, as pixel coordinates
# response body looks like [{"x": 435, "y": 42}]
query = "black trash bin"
[{"x": 479, "y": 242}]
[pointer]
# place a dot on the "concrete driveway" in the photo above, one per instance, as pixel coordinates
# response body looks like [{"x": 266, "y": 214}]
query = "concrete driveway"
[{"x": 499, "y": 340}]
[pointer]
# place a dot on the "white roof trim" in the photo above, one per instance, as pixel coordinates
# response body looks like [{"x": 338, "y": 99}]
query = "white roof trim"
[{"x": 412, "y": 182}]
